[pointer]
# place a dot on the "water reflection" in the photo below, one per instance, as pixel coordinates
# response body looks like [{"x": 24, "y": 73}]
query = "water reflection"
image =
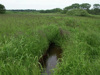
[
  {"x": 51, "y": 63},
  {"x": 50, "y": 59}
]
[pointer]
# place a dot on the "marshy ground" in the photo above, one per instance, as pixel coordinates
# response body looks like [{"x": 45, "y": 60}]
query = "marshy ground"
[{"x": 24, "y": 38}]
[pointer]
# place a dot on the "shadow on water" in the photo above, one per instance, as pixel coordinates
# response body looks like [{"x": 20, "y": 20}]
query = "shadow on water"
[{"x": 50, "y": 59}]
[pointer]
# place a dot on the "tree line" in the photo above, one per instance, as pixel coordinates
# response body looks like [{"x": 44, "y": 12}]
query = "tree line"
[{"x": 85, "y": 6}]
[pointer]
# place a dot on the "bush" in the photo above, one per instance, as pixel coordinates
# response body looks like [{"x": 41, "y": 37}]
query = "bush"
[
  {"x": 2, "y": 9},
  {"x": 78, "y": 12}
]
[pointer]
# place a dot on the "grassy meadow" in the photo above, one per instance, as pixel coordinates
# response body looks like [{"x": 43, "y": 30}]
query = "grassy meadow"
[{"x": 25, "y": 37}]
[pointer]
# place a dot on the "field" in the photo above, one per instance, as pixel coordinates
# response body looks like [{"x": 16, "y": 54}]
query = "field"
[{"x": 25, "y": 37}]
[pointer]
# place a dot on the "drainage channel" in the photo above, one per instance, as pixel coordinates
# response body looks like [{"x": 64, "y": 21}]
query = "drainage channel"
[{"x": 50, "y": 59}]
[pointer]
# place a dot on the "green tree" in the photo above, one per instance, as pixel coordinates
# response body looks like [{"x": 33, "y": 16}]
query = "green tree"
[
  {"x": 2, "y": 9},
  {"x": 96, "y": 6},
  {"x": 76, "y": 5},
  {"x": 57, "y": 10},
  {"x": 85, "y": 6},
  {"x": 67, "y": 9}
]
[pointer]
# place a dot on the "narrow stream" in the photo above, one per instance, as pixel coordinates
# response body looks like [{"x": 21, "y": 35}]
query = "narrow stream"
[{"x": 50, "y": 59}]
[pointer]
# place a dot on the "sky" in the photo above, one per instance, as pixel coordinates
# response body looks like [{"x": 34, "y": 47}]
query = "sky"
[{"x": 43, "y": 4}]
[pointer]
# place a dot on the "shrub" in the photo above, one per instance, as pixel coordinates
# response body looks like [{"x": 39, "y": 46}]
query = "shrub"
[{"x": 78, "y": 12}]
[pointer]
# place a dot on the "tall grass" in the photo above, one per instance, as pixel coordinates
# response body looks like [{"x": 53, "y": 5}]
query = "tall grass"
[{"x": 24, "y": 38}]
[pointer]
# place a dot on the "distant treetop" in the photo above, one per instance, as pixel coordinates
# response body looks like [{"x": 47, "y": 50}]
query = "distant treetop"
[{"x": 2, "y": 9}]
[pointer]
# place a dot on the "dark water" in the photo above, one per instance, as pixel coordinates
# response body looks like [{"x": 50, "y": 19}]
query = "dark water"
[{"x": 50, "y": 59}]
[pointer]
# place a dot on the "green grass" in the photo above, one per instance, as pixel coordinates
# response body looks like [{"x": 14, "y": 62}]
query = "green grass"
[{"x": 24, "y": 38}]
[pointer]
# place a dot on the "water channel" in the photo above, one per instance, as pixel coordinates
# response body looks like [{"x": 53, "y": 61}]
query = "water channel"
[{"x": 50, "y": 59}]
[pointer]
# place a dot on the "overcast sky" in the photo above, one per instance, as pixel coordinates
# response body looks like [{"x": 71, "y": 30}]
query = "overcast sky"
[{"x": 42, "y": 4}]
